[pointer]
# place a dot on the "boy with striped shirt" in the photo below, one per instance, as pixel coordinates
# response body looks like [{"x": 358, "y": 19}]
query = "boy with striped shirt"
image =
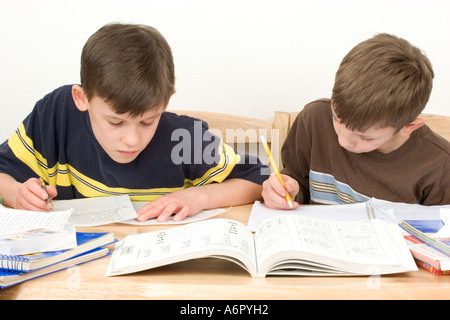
[
  {"x": 111, "y": 135},
  {"x": 368, "y": 140}
]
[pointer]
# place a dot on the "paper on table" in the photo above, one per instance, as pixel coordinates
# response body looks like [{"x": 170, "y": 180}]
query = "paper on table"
[
  {"x": 407, "y": 211},
  {"x": 15, "y": 221},
  {"x": 392, "y": 212},
  {"x": 203, "y": 215},
  {"x": 90, "y": 212},
  {"x": 351, "y": 212}
]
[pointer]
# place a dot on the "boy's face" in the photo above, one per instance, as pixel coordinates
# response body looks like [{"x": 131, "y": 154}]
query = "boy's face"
[
  {"x": 383, "y": 140},
  {"x": 121, "y": 136}
]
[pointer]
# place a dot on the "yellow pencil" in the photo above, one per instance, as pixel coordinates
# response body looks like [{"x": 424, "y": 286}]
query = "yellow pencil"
[
  {"x": 275, "y": 168},
  {"x": 49, "y": 202}
]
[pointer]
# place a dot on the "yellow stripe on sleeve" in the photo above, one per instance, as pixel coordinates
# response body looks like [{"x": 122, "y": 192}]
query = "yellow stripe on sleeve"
[
  {"x": 23, "y": 148},
  {"x": 228, "y": 159}
]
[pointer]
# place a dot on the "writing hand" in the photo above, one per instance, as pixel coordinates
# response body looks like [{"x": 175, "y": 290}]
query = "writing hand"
[
  {"x": 31, "y": 196},
  {"x": 274, "y": 193}
]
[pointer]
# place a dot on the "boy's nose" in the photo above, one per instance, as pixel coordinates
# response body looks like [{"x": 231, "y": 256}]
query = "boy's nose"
[
  {"x": 346, "y": 140},
  {"x": 130, "y": 138}
]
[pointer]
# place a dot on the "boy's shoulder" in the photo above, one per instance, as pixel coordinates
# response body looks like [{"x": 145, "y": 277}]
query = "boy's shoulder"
[
  {"x": 317, "y": 107},
  {"x": 315, "y": 112},
  {"x": 57, "y": 95},
  {"x": 179, "y": 121},
  {"x": 57, "y": 102},
  {"x": 433, "y": 139},
  {"x": 319, "y": 103},
  {"x": 56, "y": 106}
]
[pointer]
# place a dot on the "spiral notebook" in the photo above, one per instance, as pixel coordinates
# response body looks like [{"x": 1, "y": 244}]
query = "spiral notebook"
[
  {"x": 9, "y": 278},
  {"x": 86, "y": 241}
]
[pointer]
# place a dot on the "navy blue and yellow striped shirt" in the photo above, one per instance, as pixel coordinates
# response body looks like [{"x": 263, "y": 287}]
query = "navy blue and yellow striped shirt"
[{"x": 56, "y": 142}]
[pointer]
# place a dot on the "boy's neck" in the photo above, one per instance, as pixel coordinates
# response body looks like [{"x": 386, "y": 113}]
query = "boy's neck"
[{"x": 396, "y": 142}]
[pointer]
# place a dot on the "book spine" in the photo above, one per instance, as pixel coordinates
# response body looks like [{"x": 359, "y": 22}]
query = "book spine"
[
  {"x": 430, "y": 268},
  {"x": 439, "y": 245},
  {"x": 12, "y": 263}
]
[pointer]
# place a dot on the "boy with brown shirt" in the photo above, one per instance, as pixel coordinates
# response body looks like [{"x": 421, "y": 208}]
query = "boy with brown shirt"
[{"x": 368, "y": 140}]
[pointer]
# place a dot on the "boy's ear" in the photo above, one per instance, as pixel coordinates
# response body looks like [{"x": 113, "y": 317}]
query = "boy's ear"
[
  {"x": 165, "y": 108},
  {"x": 410, "y": 127},
  {"x": 79, "y": 97}
]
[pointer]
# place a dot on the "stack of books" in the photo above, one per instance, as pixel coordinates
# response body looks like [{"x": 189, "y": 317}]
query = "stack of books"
[
  {"x": 15, "y": 269},
  {"x": 430, "y": 253}
]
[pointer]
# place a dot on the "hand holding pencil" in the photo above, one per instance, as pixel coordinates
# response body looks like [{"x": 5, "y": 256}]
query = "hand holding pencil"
[
  {"x": 270, "y": 190},
  {"x": 48, "y": 200},
  {"x": 33, "y": 194}
]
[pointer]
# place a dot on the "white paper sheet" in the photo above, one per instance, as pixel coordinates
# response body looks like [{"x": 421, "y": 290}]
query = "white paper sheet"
[
  {"x": 406, "y": 211},
  {"x": 203, "y": 215},
  {"x": 15, "y": 221},
  {"x": 351, "y": 212},
  {"x": 90, "y": 212},
  {"x": 444, "y": 232},
  {"x": 392, "y": 212},
  {"x": 118, "y": 209}
]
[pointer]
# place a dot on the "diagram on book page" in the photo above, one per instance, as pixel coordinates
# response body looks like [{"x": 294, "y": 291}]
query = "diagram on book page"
[{"x": 218, "y": 238}]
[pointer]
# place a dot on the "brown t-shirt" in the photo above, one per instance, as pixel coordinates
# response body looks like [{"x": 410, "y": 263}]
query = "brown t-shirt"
[{"x": 417, "y": 172}]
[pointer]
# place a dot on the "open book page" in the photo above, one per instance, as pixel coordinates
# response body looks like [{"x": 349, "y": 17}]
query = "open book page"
[
  {"x": 361, "y": 247},
  {"x": 203, "y": 215},
  {"x": 15, "y": 221},
  {"x": 216, "y": 237},
  {"x": 90, "y": 212}
]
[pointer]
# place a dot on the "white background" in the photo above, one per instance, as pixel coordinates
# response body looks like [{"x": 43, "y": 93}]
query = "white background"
[{"x": 242, "y": 57}]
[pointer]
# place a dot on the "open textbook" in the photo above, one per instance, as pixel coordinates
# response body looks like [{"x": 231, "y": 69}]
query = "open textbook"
[{"x": 282, "y": 245}]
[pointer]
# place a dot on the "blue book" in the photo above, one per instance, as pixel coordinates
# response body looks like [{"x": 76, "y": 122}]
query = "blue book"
[
  {"x": 86, "y": 241},
  {"x": 10, "y": 278}
]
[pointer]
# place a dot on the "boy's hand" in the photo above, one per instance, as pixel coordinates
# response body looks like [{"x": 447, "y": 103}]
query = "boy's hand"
[
  {"x": 183, "y": 203},
  {"x": 31, "y": 196},
  {"x": 274, "y": 193}
]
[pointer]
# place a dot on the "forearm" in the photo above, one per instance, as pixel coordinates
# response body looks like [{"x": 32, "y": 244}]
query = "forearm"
[
  {"x": 8, "y": 189},
  {"x": 190, "y": 201},
  {"x": 230, "y": 192}
]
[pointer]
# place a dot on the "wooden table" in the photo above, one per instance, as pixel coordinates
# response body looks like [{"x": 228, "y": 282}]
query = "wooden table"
[{"x": 218, "y": 279}]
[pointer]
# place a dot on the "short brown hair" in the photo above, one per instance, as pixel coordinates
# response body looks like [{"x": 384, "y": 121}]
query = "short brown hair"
[
  {"x": 383, "y": 81},
  {"x": 130, "y": 66}
]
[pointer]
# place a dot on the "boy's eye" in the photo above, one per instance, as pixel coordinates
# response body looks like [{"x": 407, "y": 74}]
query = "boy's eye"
[
  {"x": 115, "y": 124},
  {"x": 146, "y": 124},
  {"x": 366, "y": 139}
]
